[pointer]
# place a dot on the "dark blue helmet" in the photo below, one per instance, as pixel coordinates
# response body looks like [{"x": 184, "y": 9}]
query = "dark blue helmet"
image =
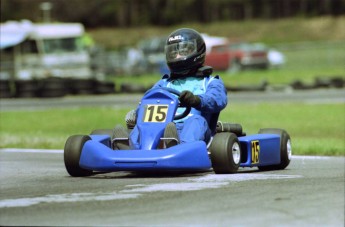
[{"x": 185, "y": 52}]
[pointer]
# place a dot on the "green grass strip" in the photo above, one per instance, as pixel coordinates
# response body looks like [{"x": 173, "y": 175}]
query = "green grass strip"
[{"x": 315, "y": 129}]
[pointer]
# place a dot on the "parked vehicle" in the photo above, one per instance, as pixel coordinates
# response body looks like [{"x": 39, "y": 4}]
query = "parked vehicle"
[
  {"x": 276, "y": 58},
  {"x": 236, "y": 56},
  {"x": 153, "y": 53},
  {"x": 45, "y": 59},
  {"x": 212, "y": 41}
]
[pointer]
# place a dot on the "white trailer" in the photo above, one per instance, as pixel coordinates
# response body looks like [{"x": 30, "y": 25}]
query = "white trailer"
[{"x": 40, "y": 58}]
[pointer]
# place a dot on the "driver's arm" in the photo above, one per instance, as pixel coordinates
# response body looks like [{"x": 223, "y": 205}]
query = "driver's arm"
[{"x": 215, "y": 98}]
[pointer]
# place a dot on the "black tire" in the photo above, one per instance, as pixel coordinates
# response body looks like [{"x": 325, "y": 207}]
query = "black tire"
[
  {"x": 82, "y": 86},
  {"x": 72, "y": 152},
  {"x": 26, "y": 89},
  {"x": 104, "y": 87},
  {"x": 52, "y": 88},
  {"x": 5, "y": 89},
  {"x": 225, "y": 152},
  {"x": 132, "y": 88},
  {"x": 285, "y": 148},
  {"x": 338, "y": 82}
]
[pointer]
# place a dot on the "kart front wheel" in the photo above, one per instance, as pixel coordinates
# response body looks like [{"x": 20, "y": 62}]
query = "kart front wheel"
[
  {"x": 72, "y": 152},
  {"x": 285, "y": 148},
  {"x": 225, "y": 152}
]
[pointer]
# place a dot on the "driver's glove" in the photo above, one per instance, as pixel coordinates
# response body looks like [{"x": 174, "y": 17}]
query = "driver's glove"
[{"x": 187, "y": 98}]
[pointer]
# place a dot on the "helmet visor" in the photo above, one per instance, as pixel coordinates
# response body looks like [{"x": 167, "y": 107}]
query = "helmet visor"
[{"x": 181, "y": 50}]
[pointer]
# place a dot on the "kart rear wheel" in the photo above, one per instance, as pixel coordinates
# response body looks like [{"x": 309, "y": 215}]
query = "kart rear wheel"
[
  {"x": 72, "y": 152},
  {"x": 285, "y": 148},
  {"x": 225, "y": 152}
]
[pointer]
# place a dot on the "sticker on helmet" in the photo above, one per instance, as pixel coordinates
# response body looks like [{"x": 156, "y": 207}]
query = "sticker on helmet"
[{"x": 176, "y": 37}]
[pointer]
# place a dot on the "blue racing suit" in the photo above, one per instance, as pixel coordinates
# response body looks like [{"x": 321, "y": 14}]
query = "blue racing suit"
[{"x": 201, "y": 123}]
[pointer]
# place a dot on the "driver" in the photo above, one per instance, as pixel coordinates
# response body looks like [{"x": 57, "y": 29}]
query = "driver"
[{"x": 185, "y": 52}]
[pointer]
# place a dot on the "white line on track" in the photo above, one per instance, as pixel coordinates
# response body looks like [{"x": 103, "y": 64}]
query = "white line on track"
[
  {"x": 62, "y": 198},
  {"x": 205, "y": 182},
  {"x": 20, "y": 150},
  {"x": 310, "y": 157},
  {"x": 209, "y": 181}
]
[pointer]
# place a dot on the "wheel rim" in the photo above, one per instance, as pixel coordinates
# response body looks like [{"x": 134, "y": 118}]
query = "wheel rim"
[
  {"x": 289, "y": 149},
  {"x": 236, "y": 153}
]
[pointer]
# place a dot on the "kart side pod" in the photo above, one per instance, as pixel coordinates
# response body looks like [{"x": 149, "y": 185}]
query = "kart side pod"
[
  {"x": 268, "y": 150},
  {"x": 260, "y": 150},
  {"x": 98, "y": 155}
]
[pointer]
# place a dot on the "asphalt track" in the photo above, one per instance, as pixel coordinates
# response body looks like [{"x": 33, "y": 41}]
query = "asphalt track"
[{"x": 36, "y": 190}]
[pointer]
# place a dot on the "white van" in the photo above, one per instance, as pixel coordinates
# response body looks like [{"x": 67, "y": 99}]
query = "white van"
[
  {"x": 34, "y": 52},
  {"x": 43, "y": 50}
]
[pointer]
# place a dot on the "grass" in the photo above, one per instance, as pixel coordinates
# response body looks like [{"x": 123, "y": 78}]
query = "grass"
[
  {"x": 316, "y": 129},
  {"x": 268, "y": 31},
  {"x": 49, "y": 129}
]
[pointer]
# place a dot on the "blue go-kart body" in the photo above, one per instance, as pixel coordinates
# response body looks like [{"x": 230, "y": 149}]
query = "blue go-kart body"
[{"x": 85, "y": 154}]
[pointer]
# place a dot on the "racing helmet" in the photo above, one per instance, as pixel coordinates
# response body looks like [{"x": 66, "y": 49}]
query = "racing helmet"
[{"x": 185, "y": 52}]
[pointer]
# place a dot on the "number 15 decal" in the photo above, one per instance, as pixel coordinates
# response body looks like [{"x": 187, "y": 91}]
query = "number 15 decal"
[
  {"x": 255, "y": 151},
  {"x": 156, "y": 113}
]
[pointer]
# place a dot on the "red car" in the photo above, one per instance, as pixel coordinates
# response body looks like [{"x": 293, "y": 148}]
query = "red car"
[{"x": 236, "y": 57}]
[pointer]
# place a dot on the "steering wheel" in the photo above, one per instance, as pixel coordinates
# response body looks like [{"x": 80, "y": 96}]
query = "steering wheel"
[{"x": 177, "y": 93}]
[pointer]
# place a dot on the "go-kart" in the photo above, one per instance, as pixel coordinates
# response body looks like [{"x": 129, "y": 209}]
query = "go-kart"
[{"x": 228, "y": 149}]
